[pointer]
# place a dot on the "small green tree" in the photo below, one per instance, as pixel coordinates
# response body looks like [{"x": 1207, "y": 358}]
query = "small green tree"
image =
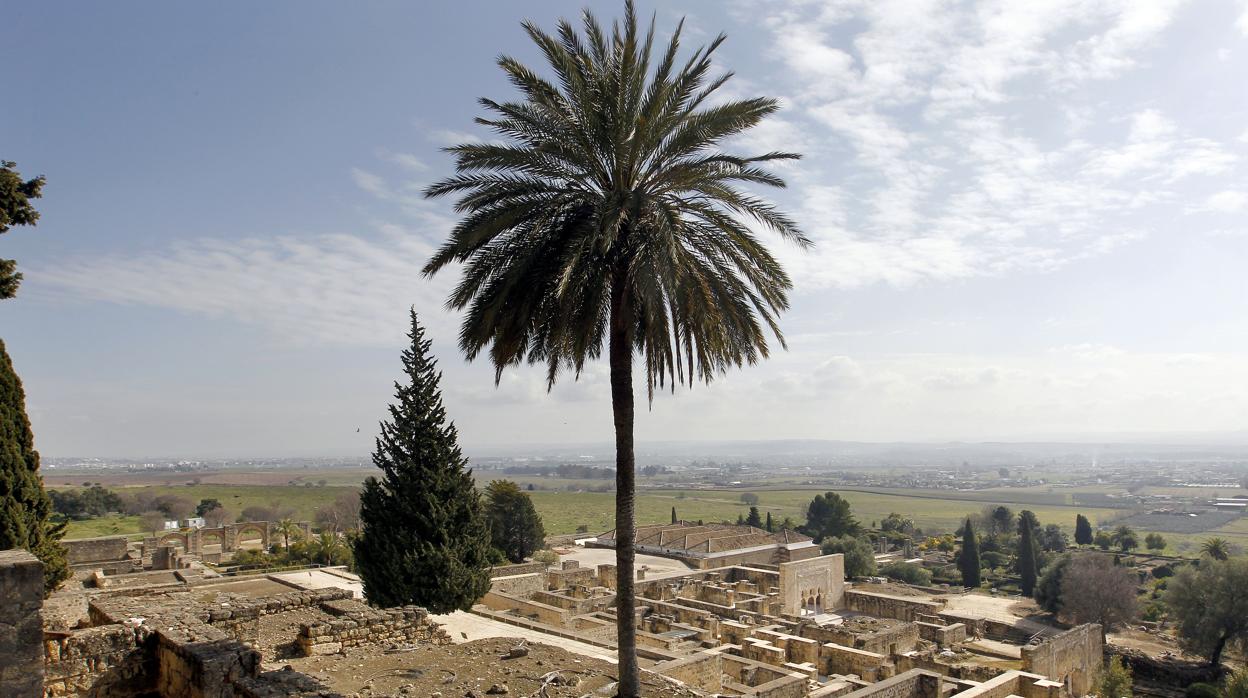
[
  {"x": 968, "y": 559},
  {"x": 1103, "y": 540},
  {"x": 1027, "y": 553},
  {"x": 859, "y": 556},
  {"x": 754, "y": 518},
  {"x": 25, "y": 508},
  {"x": 423, "y": 539},
  {"x": 829, "y": 515},
  {"x": 1048, "y": 593},
  {"x": 1216, "y": 548},
  {"x": 1083, "y": 530},
  {"x": 1124, "y": 537},
  {"x": 1155, "y": 541},
  {"x": 1210, "y": 604},
  {"x": 907, "y": 572},
  {"x": 749, "y": 499},
  {"x": 15, "y": 209},
  {"x": 1116, "y": 681},
  {"x": 674, "y": 519},
  {"x": 515, "y": 527},
  {"x": 770, "y": 525}
]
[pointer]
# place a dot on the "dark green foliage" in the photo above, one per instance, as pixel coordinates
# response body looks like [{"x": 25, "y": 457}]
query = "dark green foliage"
[
  {"x": 1083, "y": 530},
  {"x": 1210, "y": 604},
  {"x": 674, "y": 519},
  {"x": 15, "y": 209},
  {"x": 968, "y": 558},
  {"x": 754, "y": 518},
  {"x": 829, "y": 515},
  {"x": 1048, "y": 594},
  {"x": 1124, "y": 537},
  {"x": 769, "y": 525},
  {"x": 1054, "y": 539},
  {"x": 1027, "y": 553},
  {"x": 515, "y": 528},
  {"x": 1155, "y": 541},
  {"x": 859, "y": 556},
  {"x": 423, "y": 537},
  {"x": 207, "y": 504},
  {"x": 90, "y": 502},
  {"x": 25, "y": 509},
  {"x": 907, "y": 572}
]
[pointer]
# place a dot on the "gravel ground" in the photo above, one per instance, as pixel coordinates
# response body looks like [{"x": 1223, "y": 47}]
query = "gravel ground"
[{"x": 472, "y": 668}]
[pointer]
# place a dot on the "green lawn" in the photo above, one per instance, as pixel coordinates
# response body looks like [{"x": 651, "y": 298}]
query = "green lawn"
[{"x": 105, "y": 526}]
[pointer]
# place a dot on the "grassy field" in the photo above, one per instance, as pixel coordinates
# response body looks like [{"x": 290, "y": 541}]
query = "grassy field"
[
  {"x": 563, "y": 512},
  {"x": 105, "y": 526}
]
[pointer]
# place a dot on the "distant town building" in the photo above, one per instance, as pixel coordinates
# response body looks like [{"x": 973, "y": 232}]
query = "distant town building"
[{"x": 194, "y": 522}]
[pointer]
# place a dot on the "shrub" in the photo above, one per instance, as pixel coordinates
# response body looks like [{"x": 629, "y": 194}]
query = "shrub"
[
  {"x": 546, "y": 557},
  {"x": 1116, "y": 681},
  {"x": 907, "y": 572}
]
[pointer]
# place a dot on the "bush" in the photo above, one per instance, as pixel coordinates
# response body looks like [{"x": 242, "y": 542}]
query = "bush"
[
  {"x": 859, "y": 557},
  {"x": 1116, "y": 681},
  {"x": 907, "y": 572},
  {"x": 546, "y": 557},
  {"x": 1203, "y": 690}
]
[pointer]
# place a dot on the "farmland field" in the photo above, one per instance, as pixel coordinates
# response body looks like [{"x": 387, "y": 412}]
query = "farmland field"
[{"x": 563, "y": 512}]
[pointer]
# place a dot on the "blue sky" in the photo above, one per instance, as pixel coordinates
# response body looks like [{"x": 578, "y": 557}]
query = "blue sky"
[{"x": 1031, "y": 221}]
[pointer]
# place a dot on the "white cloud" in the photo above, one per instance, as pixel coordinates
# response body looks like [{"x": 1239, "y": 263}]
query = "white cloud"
[
  {"x": 331, "y": 289},
  {"x": 1227, "y": 201}
]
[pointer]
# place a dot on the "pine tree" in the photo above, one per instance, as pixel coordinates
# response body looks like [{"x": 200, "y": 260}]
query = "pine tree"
[
  {"x": 674, "y": 519},
  {"x": 25, "y": 509},
  {"x": 968, "y": 561},
  {"x": 423, "y": 538},
  {"x": 1083, "y": 530},
  {"x": 1027, "y": 555},
  {"x": 771, "y": 527},
  {"x": 754, "y": 519},
  {"x": 516, "y": 530}
]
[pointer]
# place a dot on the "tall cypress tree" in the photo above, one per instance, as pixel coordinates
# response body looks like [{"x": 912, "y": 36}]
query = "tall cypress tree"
[
  {"x": 674, "y": 515},
  {"x": 771, "y": 527},
  {"x": 1027, "y": 554},
  {"x": 1083, "y": 530},
  {"x": 423, "y": 539},
  {"x": 25, "y": 509},
  {"x": 968, "y": 560}
]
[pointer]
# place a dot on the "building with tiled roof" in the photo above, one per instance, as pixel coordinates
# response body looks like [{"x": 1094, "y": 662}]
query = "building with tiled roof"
[{"x": 719, "y": 545}]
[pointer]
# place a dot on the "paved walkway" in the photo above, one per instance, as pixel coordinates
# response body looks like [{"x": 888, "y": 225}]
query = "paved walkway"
[
  {"x": 322, "y": 579},
  {"x": 465, "y": 627}
]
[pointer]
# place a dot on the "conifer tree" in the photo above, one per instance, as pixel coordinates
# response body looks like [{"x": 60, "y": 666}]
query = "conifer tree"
[
  {"x": 423, "y": 538},
  {"x": 1027, "y": 555},
  {"x": 516, "y": 530},
  {"x": 754, "y": 519},
  {"x": 968, "y": 560},
  {"x": 1083, "y": 530},
  {"x": 25, "y": 509},
  {"x": 771, "y": 527},
  {"x": 674, "y": 520}
]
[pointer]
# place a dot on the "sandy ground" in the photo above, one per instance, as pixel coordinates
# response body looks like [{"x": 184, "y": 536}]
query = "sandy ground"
[
  {"x": 659, "y": 567},
  {"x": 321, "y": 579},
  {"x": 999, "y": 608},
  {"x": 466, "y": 627},
  {"x": 475, "y": 666}
]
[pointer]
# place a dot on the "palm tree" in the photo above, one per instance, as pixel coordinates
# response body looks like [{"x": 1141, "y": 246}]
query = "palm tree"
[
  {"x": 326, "y": 546},
  {"x": 288, "y": 529},
  {"x": 610, "y": 216},
  {"x": 1216, "y": 548}
]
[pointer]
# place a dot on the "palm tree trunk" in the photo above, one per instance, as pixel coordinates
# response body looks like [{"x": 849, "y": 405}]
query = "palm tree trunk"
[{"x": 621, "y": 360}]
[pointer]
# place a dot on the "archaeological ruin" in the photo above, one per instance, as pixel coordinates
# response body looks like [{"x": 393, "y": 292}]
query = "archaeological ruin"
[{"x": 158, "y": 622}]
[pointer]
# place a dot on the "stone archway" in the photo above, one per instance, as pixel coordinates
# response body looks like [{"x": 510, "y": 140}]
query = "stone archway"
[
  {"x": 175, "y": 537},
  {"x": 260, "y": 529}
]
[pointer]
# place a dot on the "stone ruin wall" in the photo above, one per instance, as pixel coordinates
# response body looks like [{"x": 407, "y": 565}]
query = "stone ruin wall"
[
  {"x": 357, "y": 624},
  {"x": 21, "y": 625},
  {"x": 915, "y": 683},
  {"x": 84, "y": 551},
  {"x": 1074, "y": 658},
  {"x": 889, "y": 606}
]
